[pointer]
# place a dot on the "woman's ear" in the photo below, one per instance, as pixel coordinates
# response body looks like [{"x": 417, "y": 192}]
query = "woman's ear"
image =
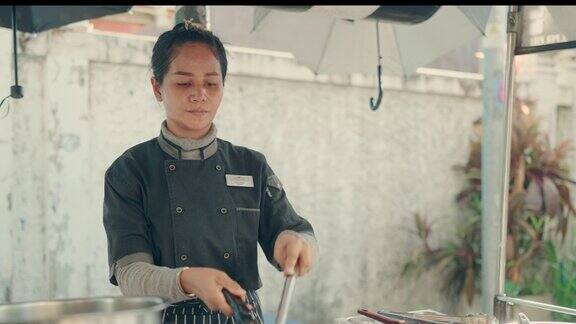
[{"x": 156, "y": 89}]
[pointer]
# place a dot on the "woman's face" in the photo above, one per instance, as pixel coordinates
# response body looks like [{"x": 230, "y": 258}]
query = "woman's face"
[{"x": 191, "y": 91}]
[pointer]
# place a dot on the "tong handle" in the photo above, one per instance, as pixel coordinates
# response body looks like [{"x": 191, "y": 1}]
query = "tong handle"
[
  {"x": 380, "y": 318},
  {"x": 241, "y": 313}
]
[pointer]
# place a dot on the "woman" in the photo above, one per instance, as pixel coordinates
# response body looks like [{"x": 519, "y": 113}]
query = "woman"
[{"x": 184, "y": 212}]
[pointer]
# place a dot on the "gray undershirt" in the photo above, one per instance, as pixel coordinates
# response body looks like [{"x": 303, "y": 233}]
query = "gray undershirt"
[{"x": 137, "y": 275}]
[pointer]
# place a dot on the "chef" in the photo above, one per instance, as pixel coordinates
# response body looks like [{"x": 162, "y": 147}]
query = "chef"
[{"x": 185, "y": 211}]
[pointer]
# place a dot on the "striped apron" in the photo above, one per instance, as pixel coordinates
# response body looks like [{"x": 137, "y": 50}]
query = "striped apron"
[{"x": 194, "y": 311}]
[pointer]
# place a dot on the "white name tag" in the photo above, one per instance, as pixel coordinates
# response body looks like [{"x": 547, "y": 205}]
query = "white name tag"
[{"x": 234, "y": 180}]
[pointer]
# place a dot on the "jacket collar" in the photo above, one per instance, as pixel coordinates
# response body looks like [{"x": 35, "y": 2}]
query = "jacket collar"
[{"x": 186, "y": 148}]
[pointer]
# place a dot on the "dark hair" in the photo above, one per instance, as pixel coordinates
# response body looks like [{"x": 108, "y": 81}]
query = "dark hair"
[{"x": 163, "y": 52}]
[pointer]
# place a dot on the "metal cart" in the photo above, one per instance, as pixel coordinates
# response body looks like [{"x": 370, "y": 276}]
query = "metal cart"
[{"x": 518, "y": 44}]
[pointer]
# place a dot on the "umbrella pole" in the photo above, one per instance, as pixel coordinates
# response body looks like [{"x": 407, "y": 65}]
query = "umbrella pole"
[
  {"x": 15, "y": 90},
  {"x": 502, "y": 309}
]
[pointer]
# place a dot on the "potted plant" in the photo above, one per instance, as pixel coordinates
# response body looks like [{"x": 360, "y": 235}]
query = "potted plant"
[{"x": 539, "y": 207}]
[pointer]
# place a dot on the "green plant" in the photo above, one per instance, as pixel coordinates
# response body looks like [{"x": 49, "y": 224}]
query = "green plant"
[
  {"x": 539, "y": 197},
  {"x": 563, "y": 282}
]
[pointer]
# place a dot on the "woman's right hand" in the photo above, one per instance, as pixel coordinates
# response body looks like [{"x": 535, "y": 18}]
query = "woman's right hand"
[{"x": 207, "y": 284}]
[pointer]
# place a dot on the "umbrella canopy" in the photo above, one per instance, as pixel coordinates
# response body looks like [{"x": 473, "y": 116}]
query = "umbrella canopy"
[
  {"x": 350, "y": 39},
  {"x": 35, "y": 19},
  {"x": 397, "y": 14},
  {"x": 328, "y": 43}
]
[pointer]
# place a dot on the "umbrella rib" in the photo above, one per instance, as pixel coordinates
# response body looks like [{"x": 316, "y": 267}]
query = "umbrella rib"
[
  {"x": 325, "y": 45},
  {"x": 264, "y": 14},
  {"x": 472, "y": 19}
]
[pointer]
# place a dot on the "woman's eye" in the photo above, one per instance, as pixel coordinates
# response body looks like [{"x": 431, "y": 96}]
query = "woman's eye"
[
  {"x": 183, "y": 84},
  {"x": 212, "y": 84}
]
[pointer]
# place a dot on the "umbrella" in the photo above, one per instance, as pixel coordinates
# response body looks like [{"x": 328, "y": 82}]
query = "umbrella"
[
  {"x": 35, "y": 19},
  {"x": 353, "y": 39}
]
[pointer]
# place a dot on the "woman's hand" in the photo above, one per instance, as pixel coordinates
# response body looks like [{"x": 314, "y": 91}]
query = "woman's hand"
[
  {"x": 293, "y": 253},
  {"x": 207, "y": 284}
]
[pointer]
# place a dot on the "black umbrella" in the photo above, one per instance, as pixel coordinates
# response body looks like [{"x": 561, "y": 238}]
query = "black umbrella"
[{"x": 35, "y": 19}]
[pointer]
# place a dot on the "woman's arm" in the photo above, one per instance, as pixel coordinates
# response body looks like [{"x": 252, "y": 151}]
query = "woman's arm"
[
  {"x": 279, "y": 218},
  {"x": 137, "y": 276},
  {"x": 142, "y": 278}
]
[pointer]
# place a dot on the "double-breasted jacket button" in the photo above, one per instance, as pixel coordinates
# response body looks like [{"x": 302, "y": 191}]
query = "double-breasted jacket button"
[
  {"x": 183, "y": 257},
  {"x": 223, "y": 210},
  {"x": 171, "y": 167},
  {"x": 218, "y": 167},
  {"x": 179, "y": 210},
  {"x": 226, "y": 255}
]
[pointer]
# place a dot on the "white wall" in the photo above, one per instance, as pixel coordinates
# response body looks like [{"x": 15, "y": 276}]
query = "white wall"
[
  {"x": 357, "y": 175},
  {"x": 6, "y": 262}
]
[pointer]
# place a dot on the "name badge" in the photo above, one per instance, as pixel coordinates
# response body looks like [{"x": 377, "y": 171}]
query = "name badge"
[{"x": 234, "y": 180}]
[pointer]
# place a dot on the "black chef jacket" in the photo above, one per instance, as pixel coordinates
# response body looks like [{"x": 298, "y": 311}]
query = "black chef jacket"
[{"x": 210, "y": 212}]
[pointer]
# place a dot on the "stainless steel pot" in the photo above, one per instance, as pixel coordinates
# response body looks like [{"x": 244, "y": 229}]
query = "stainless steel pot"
[{"x": 99, "y": 310}]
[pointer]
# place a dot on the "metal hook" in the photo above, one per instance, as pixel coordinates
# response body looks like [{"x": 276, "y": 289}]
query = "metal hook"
[{"x": 379, "y": 99}]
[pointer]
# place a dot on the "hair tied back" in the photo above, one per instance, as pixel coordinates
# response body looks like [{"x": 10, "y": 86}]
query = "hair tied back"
[{"x": 188, "y": 23}]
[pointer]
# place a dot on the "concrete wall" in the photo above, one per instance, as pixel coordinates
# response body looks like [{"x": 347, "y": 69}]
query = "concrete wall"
[{"x": 357, "y": 175}]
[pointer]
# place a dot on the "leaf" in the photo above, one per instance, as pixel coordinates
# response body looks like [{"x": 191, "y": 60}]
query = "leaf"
[
  {"x": 422, "y": 226},
  {"x": 563, "y": 148},
  {"x": 462, "y": 195},
  {"x": 442, "y": 263},
  {"x": 554, "y": 174},
  {"x": 527, "y": 227},
  {"x": 474, "y": 174},
  {"x": 562, "y": 226},
  {"x": 551, "y": 197},
  {"x": 512, "y": 289},
  {"x": 409, "y": 268},
  {"x": 551, "y": 252},
  {"x": 533, "y": 199},
  {"x": 549, "y": 158},
  {"x": 537, "y": 223},
  {"x": 565, "y": 195}
]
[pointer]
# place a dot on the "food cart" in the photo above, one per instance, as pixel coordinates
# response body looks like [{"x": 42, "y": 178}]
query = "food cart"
[{"x": 556, "y": 34}]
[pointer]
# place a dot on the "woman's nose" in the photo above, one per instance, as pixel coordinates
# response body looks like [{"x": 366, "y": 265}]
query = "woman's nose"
[{"x": 198, "y": 94}]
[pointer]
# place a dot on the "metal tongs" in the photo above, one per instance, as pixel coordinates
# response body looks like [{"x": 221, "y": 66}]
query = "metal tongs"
[
  {"x": 379, "y": 317},
  {"x": 423, "y": 317},
  {"x": 241, "y": 314},
  {"x": 287, "y": 292}
]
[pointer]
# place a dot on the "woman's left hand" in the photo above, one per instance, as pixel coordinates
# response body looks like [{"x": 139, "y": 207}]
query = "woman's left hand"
[{"x": 293, "y": 254}]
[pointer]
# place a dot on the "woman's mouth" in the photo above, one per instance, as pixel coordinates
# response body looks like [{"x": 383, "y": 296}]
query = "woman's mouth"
[{"x": 197, "y": 112}]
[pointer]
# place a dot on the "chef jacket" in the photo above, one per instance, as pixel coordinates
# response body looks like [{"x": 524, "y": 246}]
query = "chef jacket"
[{"x": 207, "y": 212}]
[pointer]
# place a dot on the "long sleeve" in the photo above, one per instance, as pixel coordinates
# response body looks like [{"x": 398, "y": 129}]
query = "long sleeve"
[
  {"x": 279, "y": 216},
  {"x": 141, "y": 278}
]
